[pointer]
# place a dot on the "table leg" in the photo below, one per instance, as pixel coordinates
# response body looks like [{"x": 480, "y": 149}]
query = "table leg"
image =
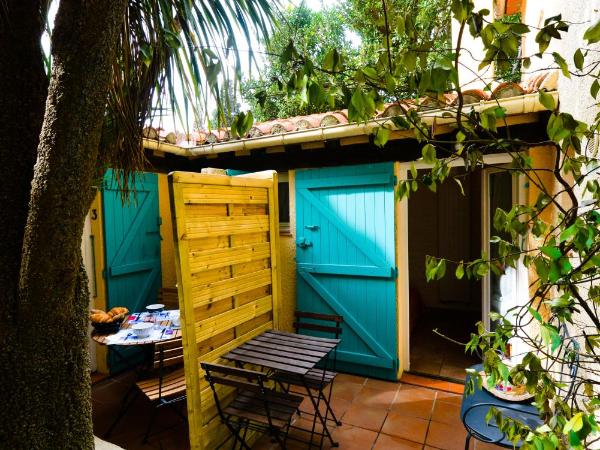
[{"x": 125, "y": 405}]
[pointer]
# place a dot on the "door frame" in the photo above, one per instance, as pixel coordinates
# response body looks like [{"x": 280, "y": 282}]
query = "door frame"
[
  {"x": 522, "y": 276},
  {"x": 402, "y": 170}
]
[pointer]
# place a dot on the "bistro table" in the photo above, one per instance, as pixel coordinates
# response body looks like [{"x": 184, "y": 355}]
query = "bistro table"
[
  {"x": 125, "y": 337},
  {"x": 295, "y": 354}
]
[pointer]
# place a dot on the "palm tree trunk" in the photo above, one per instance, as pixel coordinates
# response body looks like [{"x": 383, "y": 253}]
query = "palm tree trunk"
[{"x": 50, "y": 405}]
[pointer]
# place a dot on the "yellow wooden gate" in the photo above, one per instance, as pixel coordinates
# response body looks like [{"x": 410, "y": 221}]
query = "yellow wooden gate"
[{"x": 226, "y": 236}]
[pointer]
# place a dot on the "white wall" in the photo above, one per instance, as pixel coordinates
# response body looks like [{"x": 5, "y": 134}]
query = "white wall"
[
  {"x": 468, "y": 74},
  {"x": 574, "y": 92}
]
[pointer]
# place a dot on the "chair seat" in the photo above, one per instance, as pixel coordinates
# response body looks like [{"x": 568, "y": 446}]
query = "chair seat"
[
  {"x": 475, "y": 407},
  {"x": 251, "y": 405},
  {"x": 173, "y": 384},
  {"x": 314, "y": 378}
]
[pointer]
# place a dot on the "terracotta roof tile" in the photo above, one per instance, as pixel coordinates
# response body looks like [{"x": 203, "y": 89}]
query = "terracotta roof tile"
[{"x": 543, "y": 80}]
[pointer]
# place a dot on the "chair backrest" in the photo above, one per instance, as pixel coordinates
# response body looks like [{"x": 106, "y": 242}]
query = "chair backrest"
[
  {"x": 247, "y": 380},
  {"x": 168, "y": 297},
  {"x": 328, "y": 323},
  {"x": 234, "y": 377},
  {"x": 168, "y": 353}
]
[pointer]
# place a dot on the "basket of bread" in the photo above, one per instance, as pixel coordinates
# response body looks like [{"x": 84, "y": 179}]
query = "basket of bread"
[{"x": 110, "y": 321}]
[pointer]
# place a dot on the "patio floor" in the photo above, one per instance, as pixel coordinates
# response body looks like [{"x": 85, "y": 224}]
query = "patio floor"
[{"x": 375, "y": 415}]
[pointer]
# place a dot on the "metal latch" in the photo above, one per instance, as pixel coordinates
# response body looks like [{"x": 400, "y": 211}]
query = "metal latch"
[{"x": 303, "y": 243}]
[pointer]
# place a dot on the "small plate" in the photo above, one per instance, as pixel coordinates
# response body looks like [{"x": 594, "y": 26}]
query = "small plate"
[{"x": 155, "y": 307}]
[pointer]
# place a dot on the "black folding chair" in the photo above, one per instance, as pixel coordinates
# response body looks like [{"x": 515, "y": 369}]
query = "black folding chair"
[
  {"x": 167, "y": 387},
  {"x": 255, "y": 406},
  {"x": 317, "y": 379},
  {"x": 164, "y": 387}
]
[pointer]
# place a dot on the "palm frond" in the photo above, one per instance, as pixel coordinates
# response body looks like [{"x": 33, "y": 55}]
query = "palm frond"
[{"x": 173, "y": 52}]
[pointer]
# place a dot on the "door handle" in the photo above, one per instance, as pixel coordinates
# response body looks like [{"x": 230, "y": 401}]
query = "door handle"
[
  {"x": 312, "y": 227},
  {"x": 303, "y": 243}
]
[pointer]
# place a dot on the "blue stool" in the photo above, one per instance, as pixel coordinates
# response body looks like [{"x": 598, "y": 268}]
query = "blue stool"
[{"x": 475, "y": 407}]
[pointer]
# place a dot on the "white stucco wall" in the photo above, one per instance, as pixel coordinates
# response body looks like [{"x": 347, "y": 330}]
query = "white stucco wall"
[
  {"x": 575, "y": 92},
  {"x": 468, "y": 74}
]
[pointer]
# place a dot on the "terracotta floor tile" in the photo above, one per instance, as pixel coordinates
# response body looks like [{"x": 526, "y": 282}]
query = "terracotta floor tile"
[
  {"x": 387, "y": 442},
  {"x": 449, "y": 397},
  {"x": 346, "y": 389},
  {"x": 369, "y": 418},
  {"x": 340, "y": 406},
  {"x": 376, "y": 398},
  {"x": 447, "y": 413},
  {"x": 447, "y": 437},
  {"x": 354, "y": 438},
  {"x": 405, "y": 427},
  {"x": 383, "y": 385},
  {"x": 413, "y": 407},
  {"x": 408, "y": 391},
  {"x": 350, "y": 378},
  {"x": 431, "y": 383}
]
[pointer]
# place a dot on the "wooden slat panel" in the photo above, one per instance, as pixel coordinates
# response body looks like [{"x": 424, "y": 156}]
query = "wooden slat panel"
[
  {"x": 227, "y": 236},
  {"x": 248, "y": 238},
  {"x": 209, "y": 276},
  {"x": 207, "y": 243},
  {"x": 254, "y": 294},
  {"x": 184, "y": 178},
  {"x": 215, "y": 325},
  {"x": 199, "y": 210},
  {"x": 218, "y": 290},
  {"x": 218, "y": 195},
  {"x": 213, "y": 308},
  {"x": 254, "y": 323},
  {"x": 246, "y": 210},
  {"x": 226, "y": 226},
  {"x": 213, "y": 259}
]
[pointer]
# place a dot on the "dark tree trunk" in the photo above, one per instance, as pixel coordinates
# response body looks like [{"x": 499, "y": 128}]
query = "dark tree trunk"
[
  {"x": 49, "y": 398},
  {"x": 23, "y": 91},
  {"x": 23, "y": 87}
]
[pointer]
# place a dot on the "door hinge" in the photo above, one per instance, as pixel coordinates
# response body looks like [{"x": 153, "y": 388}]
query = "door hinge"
[
  {"x": 394, "y": 180},
  {"x": 394, "y": 272},
  {"x": 159, "y": 220}
]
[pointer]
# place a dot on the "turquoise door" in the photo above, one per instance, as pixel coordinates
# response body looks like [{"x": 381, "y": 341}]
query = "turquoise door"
[
  {"x": 132, "y": 250},
  {"x": 345, "y": 253}
]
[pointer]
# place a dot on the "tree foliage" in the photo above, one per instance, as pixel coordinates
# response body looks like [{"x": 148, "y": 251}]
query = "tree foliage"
[
  {"x": 313, "y": 33},
  {"x": 557, "y": 235},
  {"x": 321, "y": 42}
]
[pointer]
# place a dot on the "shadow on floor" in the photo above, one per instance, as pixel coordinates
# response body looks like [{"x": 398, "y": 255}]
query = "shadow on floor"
[
  {"x": 375, "y": 415},
  {"x": 169, "y": 433}
]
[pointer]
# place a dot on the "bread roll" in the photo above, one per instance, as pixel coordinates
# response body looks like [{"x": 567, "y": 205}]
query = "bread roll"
[
  {"x": 118, "y": 311},
  {"x": 100, "y": 317}
]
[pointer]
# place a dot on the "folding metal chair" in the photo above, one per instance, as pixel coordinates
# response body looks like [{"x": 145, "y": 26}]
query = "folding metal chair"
[
  {"x": 317, "y": 379},
  {"x": 168, "y": 387},
  {"x": 255, "y": 406}
]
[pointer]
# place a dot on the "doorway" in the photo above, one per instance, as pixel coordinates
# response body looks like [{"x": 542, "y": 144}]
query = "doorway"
[{"x": 447, "y": 224}]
